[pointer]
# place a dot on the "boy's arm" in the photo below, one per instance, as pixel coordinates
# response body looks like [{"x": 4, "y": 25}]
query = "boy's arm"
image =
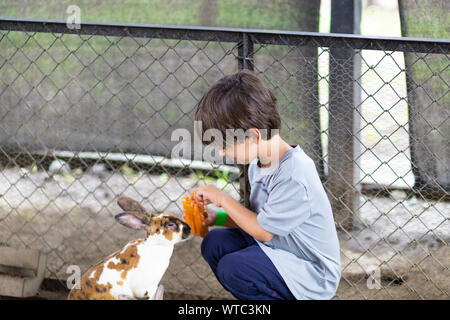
[
  {"x": 229, "y": 223},
  {"x": 245, "y": 219}
]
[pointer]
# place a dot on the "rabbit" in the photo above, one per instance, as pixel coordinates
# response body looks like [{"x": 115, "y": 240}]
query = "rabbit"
[{"x": 135, "y": 271}]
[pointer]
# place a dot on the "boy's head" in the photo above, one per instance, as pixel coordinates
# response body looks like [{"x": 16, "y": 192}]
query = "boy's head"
[{"x": 243, "y": 110}]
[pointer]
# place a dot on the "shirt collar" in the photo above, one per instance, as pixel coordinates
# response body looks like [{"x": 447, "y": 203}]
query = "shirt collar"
[{"x": 270, "y": 170}]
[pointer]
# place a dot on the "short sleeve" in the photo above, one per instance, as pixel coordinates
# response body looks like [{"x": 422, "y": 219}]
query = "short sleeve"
[{"x": 287, "y": 207}]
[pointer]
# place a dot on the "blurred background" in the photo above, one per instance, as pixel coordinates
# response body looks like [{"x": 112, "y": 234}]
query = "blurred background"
[{"x": 378, "y": 17}]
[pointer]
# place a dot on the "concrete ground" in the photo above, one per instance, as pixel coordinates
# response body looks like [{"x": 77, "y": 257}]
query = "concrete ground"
[{"x": 72, "y": 221}]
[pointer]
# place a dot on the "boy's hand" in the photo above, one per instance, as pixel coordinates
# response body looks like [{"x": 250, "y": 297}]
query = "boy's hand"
[
  {"x": 212, "y": 217},
  {"x": 210, "y": 194}
]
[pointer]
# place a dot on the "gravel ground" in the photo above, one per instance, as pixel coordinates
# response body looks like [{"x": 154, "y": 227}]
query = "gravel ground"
[{"x": 70, "y": 217}]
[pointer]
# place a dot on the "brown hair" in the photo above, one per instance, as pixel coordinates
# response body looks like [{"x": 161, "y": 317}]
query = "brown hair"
[{"x": 238, "y": 101}]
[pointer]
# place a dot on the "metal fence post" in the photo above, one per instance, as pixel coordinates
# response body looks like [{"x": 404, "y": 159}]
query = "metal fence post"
[
  {"x": 245, "y": 61},
  {"x": 341, "y": 154}
]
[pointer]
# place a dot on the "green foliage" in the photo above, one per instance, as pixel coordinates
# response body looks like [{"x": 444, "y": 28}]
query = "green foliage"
[
  {"x": 66, "y": 177},
  {"x": 221, "y": 179},
  {"x": 28, "y": 216},
  {"x": 77, "y": 172},
  {"x": 34, "y": 167},
  {"x": 177, "y": 12},
  {"x": 128, "y": 171},
  {"x": 265, "y": 14},
  {"x": 163, "y": 177}
]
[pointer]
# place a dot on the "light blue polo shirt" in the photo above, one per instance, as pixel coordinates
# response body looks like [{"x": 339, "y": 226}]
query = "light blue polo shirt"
[{"x": 292, "y": 204}]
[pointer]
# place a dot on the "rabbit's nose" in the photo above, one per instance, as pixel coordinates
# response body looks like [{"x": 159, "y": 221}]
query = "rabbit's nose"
[{"x": 186, "y": 230}]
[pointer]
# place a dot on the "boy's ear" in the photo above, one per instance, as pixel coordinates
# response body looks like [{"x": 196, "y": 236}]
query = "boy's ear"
[
  {"x": 133, "y": 219},
  {"x": 254, "y": 134}
]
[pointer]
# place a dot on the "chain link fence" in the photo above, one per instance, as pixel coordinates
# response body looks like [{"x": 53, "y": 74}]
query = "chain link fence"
[{"x": 87, "y": 115}]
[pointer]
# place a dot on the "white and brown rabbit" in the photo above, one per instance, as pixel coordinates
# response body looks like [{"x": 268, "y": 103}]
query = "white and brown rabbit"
[{"x": 135, "y": 271}]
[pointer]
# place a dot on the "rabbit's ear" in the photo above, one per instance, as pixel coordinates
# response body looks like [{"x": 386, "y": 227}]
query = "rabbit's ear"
[
  {"x": 128, "y": 204},
  {"x": 133, "y": 219}
]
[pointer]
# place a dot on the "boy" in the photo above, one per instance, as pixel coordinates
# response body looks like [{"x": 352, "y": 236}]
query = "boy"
[{"x": 285, "y": 245}]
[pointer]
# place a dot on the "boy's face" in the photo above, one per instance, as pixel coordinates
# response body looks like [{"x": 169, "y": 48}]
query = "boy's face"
[{"x": 241, "y": 153}]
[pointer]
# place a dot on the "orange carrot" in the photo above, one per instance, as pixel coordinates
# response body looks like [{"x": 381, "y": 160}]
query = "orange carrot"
[
  {"x": 187, "y": 206},
  {"x": 195, "y": 214},
  {"x": 197, "y": 220},
  {"x": 203, "y": 215}
]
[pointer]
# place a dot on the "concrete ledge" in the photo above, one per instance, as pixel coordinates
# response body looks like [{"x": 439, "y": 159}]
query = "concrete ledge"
[{"x": 21, "y": 271}]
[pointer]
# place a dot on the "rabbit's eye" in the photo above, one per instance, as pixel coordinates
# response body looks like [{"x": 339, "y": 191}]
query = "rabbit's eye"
[{"x": 171, "y": 225}]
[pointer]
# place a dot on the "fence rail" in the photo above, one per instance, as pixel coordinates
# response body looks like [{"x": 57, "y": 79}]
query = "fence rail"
[
  {"x": 87, "y": 114},
  {"x": 275, "y": 37}
]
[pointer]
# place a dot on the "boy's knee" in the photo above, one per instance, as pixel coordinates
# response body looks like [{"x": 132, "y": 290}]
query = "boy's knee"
[
  {"x": 233, "y": 273},
  {"x": 229, "y": 268}
]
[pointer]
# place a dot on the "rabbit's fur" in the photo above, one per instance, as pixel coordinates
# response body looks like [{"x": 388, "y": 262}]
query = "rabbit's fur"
[{"x": 135, "y": 271}]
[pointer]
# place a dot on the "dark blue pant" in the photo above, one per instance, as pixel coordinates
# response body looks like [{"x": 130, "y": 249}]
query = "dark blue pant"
[{"x": 242, "y": 267}]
